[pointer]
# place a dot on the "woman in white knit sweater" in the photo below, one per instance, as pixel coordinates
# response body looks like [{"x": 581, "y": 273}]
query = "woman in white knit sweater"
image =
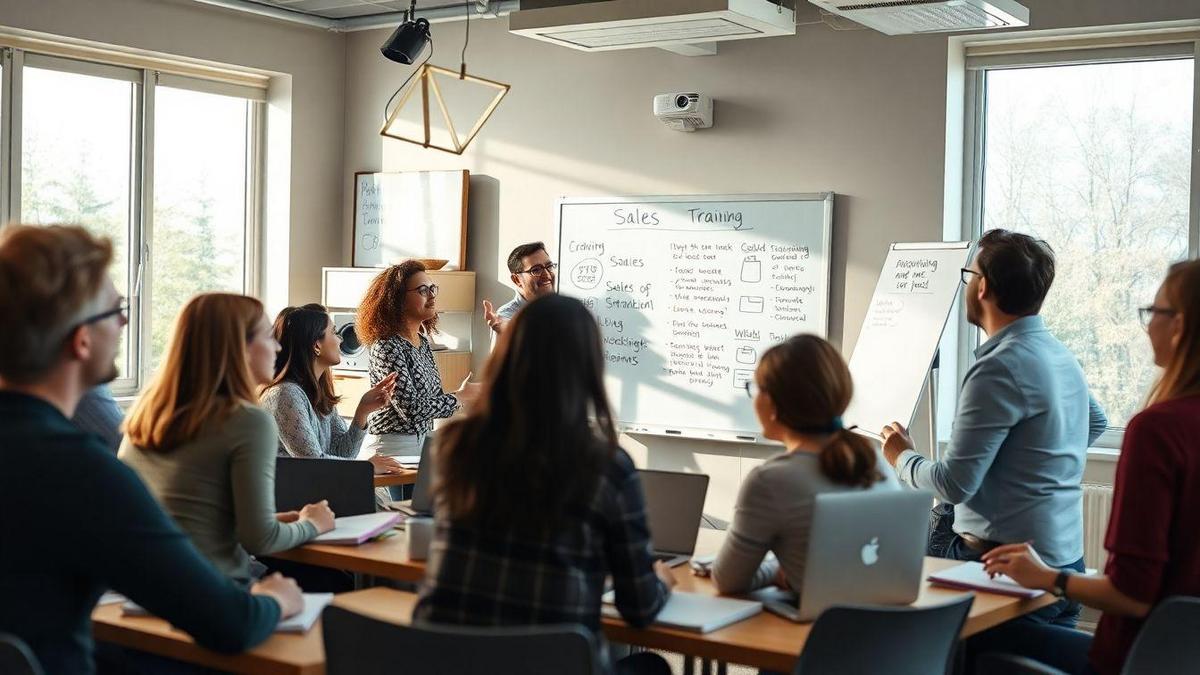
[{"x": 302, "y": 398}]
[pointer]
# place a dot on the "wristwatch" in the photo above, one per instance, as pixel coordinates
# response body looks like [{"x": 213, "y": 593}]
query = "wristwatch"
[{"x": 1060, "y": 583}]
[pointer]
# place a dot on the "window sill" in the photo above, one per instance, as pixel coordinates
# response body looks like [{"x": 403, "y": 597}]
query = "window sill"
[{"x": 1103, "y": 455}]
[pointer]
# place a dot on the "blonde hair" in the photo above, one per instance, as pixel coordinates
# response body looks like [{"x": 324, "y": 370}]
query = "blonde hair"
[
  {"x": 1181, "y": 376},
  {"x": 50, "y": 278},
  {"x": 205, "y": 376}
]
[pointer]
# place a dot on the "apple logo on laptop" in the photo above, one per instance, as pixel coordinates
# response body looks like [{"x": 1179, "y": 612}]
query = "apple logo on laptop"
[{"x": 870, "y": 552}]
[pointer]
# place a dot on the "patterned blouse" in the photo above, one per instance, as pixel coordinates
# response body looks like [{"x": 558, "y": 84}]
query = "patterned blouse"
[
  {"x": 418, "y": 398},
  {"x": 304, "y": 433}
]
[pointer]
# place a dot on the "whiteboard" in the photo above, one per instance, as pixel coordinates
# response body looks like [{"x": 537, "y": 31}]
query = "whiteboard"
[
  {"x": 412, "y": 214},
  {"x": 688, "y": 292},
  {"x": 913, "y": 299}
]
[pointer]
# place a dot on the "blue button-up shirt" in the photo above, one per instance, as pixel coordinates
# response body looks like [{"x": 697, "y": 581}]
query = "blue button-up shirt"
[{"x": 1016, "y": 456}]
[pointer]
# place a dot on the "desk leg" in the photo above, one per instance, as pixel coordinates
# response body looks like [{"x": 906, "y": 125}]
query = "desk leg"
[
  {"x": 722, "y": 668},
  {"x": 706, "y": 667},
  {"x": 689, "y": 665}
]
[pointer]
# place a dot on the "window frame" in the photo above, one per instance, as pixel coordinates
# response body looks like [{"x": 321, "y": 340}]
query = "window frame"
[
  {"x": 1036, "y": 54},
  {"x": 146, "y": 79}
]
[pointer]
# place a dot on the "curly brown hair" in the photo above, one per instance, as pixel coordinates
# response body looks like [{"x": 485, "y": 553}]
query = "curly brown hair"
[{"x": 380, "y": 314}]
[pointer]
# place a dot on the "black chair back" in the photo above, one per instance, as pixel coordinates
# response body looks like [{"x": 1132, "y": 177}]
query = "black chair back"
[
  {"x": 898, "y": 640},
  {"x": 1169, "y": 642},
  {"x": 16, "y": 658},
  {"x": 359, "y": 645}
]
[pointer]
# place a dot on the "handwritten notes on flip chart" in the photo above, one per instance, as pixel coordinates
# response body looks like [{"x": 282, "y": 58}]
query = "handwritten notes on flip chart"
[
  {"x": 689, "y": 292},
  {"x": 913, "y": 299}
]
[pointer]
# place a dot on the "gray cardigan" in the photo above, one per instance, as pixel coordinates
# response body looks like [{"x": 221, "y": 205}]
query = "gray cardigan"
[
  {"x": 774, "y": 513},
  {"x": 304, "y": 433}
]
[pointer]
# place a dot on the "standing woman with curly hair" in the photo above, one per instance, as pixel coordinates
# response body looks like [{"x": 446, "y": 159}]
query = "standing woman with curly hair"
[{"x": 394, "y": 321}]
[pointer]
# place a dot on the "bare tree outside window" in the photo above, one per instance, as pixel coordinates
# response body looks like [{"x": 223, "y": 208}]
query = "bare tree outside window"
[{"x": 1095, "y": 160}]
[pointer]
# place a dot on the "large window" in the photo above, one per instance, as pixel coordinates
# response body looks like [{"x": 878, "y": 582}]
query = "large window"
[
  {"x": 163, "y": 165},
  {"x": 1094, "y": 156}
]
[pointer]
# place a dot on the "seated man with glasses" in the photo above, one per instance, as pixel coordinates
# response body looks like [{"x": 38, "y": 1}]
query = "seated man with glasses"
[
  {"x": 1024, "y": 422},
  {"x": 532, "y": 274}
]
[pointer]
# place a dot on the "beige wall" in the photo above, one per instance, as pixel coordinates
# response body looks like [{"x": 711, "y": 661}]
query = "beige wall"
[
  {"x": 309, "y": 201},
  {"x": 856, "y": 112}
]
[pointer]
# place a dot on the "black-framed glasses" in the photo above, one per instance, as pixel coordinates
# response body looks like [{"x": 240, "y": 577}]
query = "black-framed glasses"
[
  {"x": 540, "y": 270},
  {"x": 1146, "y": 314},
  {"x": 965, "y": 273},
  {"x": 122, "y": 308},
  {"x": 751, "y": 388},
  {"x": 426, "y": 290}
]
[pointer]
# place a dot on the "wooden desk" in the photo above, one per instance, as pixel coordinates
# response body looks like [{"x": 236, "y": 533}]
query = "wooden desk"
[
  {"x": 405, "y": 477},
  {"x": 281, "y": 654},
  {"x": 387, "y": 558},
  {"x": 764, "y": 641}
]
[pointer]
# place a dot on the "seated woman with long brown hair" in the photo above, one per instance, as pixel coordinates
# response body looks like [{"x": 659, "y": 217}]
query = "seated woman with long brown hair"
[
  {"x": 532, "y": 482},
  {"x": 203, "y": 446},
  {"x": 302, "y": 398}
]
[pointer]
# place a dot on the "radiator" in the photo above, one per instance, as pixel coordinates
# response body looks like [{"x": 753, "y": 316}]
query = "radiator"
[{"x": 1097, "y": 504}]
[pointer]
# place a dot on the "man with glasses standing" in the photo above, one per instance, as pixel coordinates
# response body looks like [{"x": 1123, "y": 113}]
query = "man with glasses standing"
[
  {"x": 1024, "y": 422},
  {"x": 532, "y": 273}
]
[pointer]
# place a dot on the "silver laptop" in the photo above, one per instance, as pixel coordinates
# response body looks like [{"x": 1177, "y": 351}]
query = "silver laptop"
[
  {"x": 674, "y": 506},
  {"x": 421, "y": 503},
  {"x": 863, "y": 548}
]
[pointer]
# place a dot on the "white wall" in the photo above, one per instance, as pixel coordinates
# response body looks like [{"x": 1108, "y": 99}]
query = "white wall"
[
  {"x": 311, "y": 63},
  {"x": 856, "y": 112}
]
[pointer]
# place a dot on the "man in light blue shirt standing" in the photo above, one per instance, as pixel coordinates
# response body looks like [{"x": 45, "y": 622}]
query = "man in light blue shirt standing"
[
  {"x": 533, "y": 275},
  {"x": 1025, "y": 421}
]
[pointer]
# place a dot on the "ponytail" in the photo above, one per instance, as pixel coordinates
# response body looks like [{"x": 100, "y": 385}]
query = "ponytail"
[{"x": 849, "y": 459}]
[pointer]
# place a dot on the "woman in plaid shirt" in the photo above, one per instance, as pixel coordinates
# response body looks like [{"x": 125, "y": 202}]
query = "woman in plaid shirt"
[{"x": 536, "y": 504}]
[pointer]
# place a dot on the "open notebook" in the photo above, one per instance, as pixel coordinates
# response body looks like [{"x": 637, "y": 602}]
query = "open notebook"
[
  {"x": 314, "y": 604},
  {"x": 695, "y": 612},
  {"x": 354, "y": 530},
  {"x": 970, "y": 576}
]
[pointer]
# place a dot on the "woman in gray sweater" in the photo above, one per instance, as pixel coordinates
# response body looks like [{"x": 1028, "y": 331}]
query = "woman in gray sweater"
[
  {"x": 800, "y": 390},
  {"x": 205, "y": 449},
  {"x": 302, "y": 398}
]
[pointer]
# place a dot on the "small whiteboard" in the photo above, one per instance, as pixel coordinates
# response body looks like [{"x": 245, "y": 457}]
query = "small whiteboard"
[
  {"x": 689, "y": 291},
  {"x": 414, "y": 214},
  {"x": 912, "y": 302}
]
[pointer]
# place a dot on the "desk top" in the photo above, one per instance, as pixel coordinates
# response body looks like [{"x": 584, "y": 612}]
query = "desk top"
[
  {"x": 763, "y": 641},
  {"x": 405, "y": 477},
  {"x": 386, "y": 558},
  {"x": 281, "y": 654}
]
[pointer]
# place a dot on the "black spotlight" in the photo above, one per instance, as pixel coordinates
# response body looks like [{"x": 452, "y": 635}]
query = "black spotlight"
[{"x": 407, "y": 42}]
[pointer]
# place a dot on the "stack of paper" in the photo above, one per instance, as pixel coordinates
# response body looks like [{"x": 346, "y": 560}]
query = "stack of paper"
[
  {"x": 695, "y": 612},
  {"x": 354, "y": 530},
  {"x": 408, "y": 461},
  {"x": 970, "y": 576}
]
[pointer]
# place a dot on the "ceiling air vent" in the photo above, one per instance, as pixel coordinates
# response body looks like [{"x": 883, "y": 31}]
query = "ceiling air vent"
[
  {"x": 629, "y": 24},
  {"x": 906, "y": 17}
]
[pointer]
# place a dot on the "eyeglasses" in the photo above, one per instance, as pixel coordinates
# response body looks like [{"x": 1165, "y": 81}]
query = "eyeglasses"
[
  {"x": 122, "y": 308},
  {"x": 426, "y": 290},
  {"x": 965, "y": 274},
  {"x": 1146, "y": 314},
  {"x": 751, "y": 388},
  {"x": 539, "y": 270}
]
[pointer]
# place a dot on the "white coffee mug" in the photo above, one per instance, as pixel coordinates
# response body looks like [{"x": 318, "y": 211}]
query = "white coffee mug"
[{"x": 420, "y": 533}]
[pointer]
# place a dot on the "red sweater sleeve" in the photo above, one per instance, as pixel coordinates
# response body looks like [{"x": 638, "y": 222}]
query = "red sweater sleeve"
[{"x": 1144, "y": 501}]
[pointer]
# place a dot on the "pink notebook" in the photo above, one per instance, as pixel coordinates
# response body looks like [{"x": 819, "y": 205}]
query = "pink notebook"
[
  {"x": 354, "y": 530},
  {"x": 971, "y": 577}
]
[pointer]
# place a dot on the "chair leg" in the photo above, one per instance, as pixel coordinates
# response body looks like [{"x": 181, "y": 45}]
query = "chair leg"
[
  {"x": 706, "y": 667},
  {"x": 722, "y": 668},
  {"x": 689, "y": 665}
]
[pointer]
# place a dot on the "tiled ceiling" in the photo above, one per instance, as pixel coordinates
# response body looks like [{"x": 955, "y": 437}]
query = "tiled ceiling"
[{"x": 345, "y": 9}]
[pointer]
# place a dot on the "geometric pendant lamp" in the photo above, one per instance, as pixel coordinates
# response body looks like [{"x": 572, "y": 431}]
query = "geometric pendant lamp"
[{"x": 427, "y": 81}]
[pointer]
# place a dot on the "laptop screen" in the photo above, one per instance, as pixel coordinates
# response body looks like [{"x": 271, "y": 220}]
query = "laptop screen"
[
  {"x": 674, "y": 505},
  {"x": 422, "y": 497}
]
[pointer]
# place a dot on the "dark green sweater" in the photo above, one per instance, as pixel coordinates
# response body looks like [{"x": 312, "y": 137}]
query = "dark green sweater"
[{"x": 74, "y": 521}]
